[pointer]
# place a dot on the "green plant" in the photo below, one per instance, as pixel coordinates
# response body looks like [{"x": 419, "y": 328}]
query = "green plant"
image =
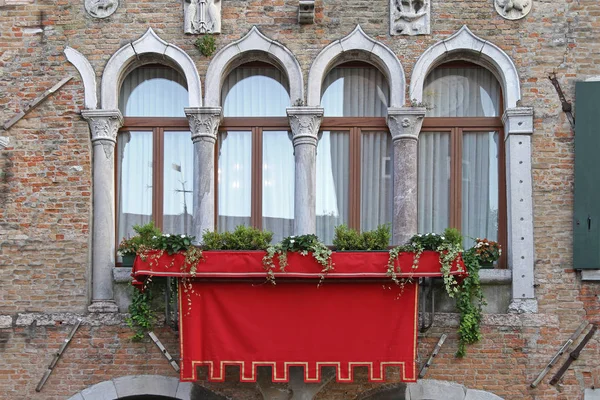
[
  {"x": 302, "y": 244},
  {"x": 487, "y": 251},
  {"x": 469, "y": 302},
  {"x": 349, "y": 239},
  {"x": 242, "y": 238},
  {"x": 142, "y": 316},
  {"x": 206, "y": 45},
  {"x": 144, "y": 238}
]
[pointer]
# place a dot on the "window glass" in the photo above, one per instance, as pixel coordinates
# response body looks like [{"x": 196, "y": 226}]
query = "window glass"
[
  {"x": 434, "y": 182},
  {"x": 255, "y": 91},
  {"x": 333, "y": 179},
  {"x": 360, "y": 91},
  {"x": 278, "y": 184},
  {"x": 134, "y": 182},
  {"x": 469, "y": 91},
  {"x": 376, "y": 180},
  {"x": 479, "y": 186},
  {"x": 234, "y": 179},
  {"x": 178, "y": 182},
  {"x": 154, "y": 91}
]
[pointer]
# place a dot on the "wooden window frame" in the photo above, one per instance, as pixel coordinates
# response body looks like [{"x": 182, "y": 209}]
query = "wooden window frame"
[
  {"x": 256, "y": 126},
  {"x": 455, "y": 126},
  {"x": 158, "y": 126}
]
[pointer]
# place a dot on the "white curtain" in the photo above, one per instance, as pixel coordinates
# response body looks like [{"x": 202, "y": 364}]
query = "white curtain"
[
  {"x": 360, "y": 91},
  {"x": 333, "y": 179},
  {"x": 460, "y": 92},
  {"x": 355, "y": 92},
  {"x": 134, "y": 182},
  {"x": 376, "y": 180},
  {"x": 178, "y": 183},
  {"x": 153, "y": 92},
  {"x": 260, "y": 91},
  {"x": 480, "y": 186}
]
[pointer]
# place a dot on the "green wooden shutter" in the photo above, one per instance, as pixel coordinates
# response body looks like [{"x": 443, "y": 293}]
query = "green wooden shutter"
[{"x": 586, "y": 223}]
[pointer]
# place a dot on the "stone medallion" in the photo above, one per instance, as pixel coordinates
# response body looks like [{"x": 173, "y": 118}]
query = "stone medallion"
[
  {"x": 513, "y": 9},
  {"x": 101, "y": 8}
]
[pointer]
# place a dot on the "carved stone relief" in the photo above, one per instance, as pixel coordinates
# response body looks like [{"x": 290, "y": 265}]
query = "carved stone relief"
[
  {"x": 410, "y": 17},
  {"x": 513, "y": 9},
  {"x": 202, "y": 16},
  {"x": 101, "y": 8}
]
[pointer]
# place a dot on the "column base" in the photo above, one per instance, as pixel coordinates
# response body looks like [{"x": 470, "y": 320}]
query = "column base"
[
  {"x": 103, "y": 306},
  {"x": 523, "y": 306}
]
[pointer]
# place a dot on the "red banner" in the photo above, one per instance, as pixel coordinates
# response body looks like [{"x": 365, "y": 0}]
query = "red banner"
[{"x": 298, "y": 324}]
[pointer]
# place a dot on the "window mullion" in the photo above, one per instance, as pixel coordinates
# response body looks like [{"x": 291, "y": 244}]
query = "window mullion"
[
  {"x": 157, "y": 176},
  {"x": 456, "y": 178},
  {"x": 354, "y": 175},
  {"x": 257, "y": 186}
]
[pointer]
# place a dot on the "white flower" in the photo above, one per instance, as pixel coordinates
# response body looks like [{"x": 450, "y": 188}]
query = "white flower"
[
  {"x": 419, "y": 235},
  {"x": 183, "y": 236},
  {"x": 167, "y": 235},
  {"x": 292, "y": 236},
  {"x": 292, "y": 241},
  {"x": 443, "y": 238},
  {"x": 153, "y": 237},
  {"x": 487, "y": 244}
]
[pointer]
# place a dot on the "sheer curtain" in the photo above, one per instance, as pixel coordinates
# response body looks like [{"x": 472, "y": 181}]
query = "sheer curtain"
[
  {"x": 153, "y": 91},
  {"x": 353, "y": 91},
  {"x": 134, "y": 181},
  {"x": 256, "y": 91},
  {"x": 460, "y": 92},
  {"x": 178, "y": 184}
]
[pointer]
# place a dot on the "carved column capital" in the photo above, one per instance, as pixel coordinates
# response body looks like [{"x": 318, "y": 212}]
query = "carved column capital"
[
  {"x": 4, "y": 140},
  {"x": 405, "y": 122},
  {"x": 104, "y": 126},
  {"x": 204, "y": 122},
  {"x": 305, "y": 123},
  {"x": 518, "y": 121}
]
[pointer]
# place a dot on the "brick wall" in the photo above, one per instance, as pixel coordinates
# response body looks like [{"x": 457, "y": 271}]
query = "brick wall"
[{"x": 45, "y": 182}]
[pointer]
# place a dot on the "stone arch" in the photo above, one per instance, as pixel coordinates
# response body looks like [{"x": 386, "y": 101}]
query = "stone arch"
[
  {"x": 149, "y": 45},
  {"x": 464, "y": 45},
  {"x": 357, "y": 46},
  {"x": 253, "y": 46},
  {"x": 88, "y": 76},
  {"x": 426, "y": 389},
  {"x": 157, "y": 386}
]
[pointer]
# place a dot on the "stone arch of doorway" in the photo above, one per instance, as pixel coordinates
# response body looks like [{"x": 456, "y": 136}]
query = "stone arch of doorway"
[
  {"x": 146, "y": 387},
  {"x": 426, "y": 389}
]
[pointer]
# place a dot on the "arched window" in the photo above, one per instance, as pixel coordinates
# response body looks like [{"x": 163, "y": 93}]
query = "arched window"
[
  {"x": 154, "y": 152},
  {"x": 461, "y": 169},
  {"x": 256, "y": 156},
  {"x": 354, "y": 154}
]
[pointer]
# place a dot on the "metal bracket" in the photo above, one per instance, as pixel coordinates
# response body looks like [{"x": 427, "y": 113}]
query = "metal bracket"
[
  {"x": 164, "y": 351},
  {"x": 434, "y": 353},
  {"x": 566, "y": 106},
  {"x": 57, "y": 357}
]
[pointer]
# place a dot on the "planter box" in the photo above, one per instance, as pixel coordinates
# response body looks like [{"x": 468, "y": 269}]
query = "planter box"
[{"x": 248, "y": 264}]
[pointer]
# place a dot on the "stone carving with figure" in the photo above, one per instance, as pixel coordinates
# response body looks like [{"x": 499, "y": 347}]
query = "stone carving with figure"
[{"x": 202, "y": 16}]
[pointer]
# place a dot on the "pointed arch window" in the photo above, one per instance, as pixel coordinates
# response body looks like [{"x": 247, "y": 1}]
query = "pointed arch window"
[
  {"x": 461, "y": 167},
  {"x": 154, "y": 152},
  {"x": 255, "y": 174},
  {"x": 354, "y": 153}
]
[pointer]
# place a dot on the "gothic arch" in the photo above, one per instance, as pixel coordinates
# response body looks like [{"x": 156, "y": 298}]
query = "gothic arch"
[
  {"x": 253, "y": 46},
  {"x": 151, "y": 45},
  {"x": 465, "y": 45},
  {"x": 357, "y": 46}
]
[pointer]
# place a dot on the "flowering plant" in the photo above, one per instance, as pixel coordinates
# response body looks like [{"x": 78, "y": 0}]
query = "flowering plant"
[
  {"x": 144, "y": 237},
  {"x": 487, "y": 251},
  {"x": 172, "y": 243}
]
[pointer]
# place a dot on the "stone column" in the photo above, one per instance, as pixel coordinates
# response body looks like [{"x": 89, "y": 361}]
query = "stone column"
[
  {"x": 204, "y": 124},
  {"x": 405, "y": 124},
  {"x": 104, "y": 125},
  {"x": 305, "y": 123},
  {"x": 518, "y": 128}
]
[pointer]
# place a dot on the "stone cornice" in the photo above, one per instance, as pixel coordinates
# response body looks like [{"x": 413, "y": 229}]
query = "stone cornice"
[
  {"x": 405, "y": 122},
  {"x": 305, "y": 123},
  {"x": 204, "y": 122}
]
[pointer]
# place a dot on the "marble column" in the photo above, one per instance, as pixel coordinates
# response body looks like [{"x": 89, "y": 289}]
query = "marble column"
[
  {"x": 305, "y": 123},
  {"x": 104, "y": 125},
  {"x": 405, "y": 124},
  {"x": 204, "y": 125},
  {"x": 518, "y": 128}
]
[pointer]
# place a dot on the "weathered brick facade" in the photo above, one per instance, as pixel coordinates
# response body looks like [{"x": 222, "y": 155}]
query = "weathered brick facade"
[{"x": 46, "y": 188}]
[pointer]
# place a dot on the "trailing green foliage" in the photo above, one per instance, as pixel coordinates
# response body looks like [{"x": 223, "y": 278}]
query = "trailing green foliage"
[
  {"x": 142, "y": 315},
  {"x": 349, "y": 239},
  {"x": 242, "y": 238},
  {"x": 302, "y": 244},
  {"x": 469, "y": 302}
]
